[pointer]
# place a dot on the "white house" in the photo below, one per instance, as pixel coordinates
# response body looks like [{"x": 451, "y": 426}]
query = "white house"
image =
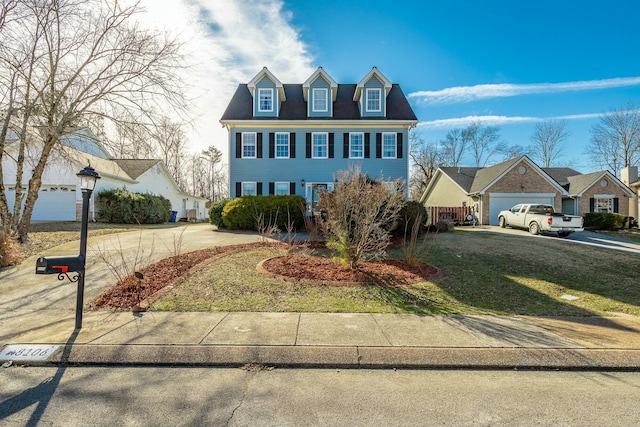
[{"x": 60, "y": 199}]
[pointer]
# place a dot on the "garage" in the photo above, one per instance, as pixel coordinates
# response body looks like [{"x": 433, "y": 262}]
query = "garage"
[
  {"x": 503, "y": 201},
  {"x": 55, "y": 203}
]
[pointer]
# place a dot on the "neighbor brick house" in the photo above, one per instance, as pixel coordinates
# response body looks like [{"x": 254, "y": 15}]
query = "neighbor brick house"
[
  {"x": 294, "y": 138},
  {"x": 520, "y": 180}
]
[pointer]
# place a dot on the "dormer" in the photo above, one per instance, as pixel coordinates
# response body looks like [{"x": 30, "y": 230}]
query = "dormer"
[
  {"x": 371, "y": 94},
  {"x": 320, "y": 92},
  {"x": 267, "y": 93}
]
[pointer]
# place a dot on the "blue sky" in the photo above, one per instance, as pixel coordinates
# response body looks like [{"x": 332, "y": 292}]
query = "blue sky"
[{"x": 505, "y": 63}]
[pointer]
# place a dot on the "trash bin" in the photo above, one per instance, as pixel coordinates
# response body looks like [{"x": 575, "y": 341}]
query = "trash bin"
[{"x": 174, "y": 216}]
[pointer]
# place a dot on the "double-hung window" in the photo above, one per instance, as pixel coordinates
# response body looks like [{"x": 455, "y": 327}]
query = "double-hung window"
[
  {"x": 248, "y": 145},
  {"x": 356, "y": 145},
  {"x": 374, "y": 100},
  {"x": 282, "y": 188},
  {"x": 265, "y": 100},
  {"x": 282, "y": 145},
  {"x": 389, "y": 146},
  {"x": 319, "y": 146},
  {"x": 320, "y": 100},
  {"x": 249, "y": 189},
  {"x": 603, "y": 204}
]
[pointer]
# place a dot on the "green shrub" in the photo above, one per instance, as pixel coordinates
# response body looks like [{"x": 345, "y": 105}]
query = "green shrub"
[
  {"x": 123, "y": 207},
  {"x": 242, "y": 213},
  {"x": 215, "y": 212},
  {"x": 603, "y": 221},
  {"x": 407, "y": 216}
]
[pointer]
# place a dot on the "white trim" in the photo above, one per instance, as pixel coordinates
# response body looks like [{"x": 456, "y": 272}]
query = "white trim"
[
  {"x": 326, "y": 135},
  {"x": 604, "y": 196},
  {"x": 366, "y": 101},
  {"x": 350, "y": 145},
  {"x": 255, "y": 188},
  {"x": 395, "y": 145},
  {"x": 522, "y": 195},
  {"x": 275, "y": 187},
  {"x": 333, "y": 124},
  {"x": 255, "y": 145},
  {"x": 275, "y": 145},
  {"x": 270, "y": 91},
  {"x": 326, "y": 100}
]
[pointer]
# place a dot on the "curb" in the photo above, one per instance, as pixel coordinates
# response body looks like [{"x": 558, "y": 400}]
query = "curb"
[{"x": 352, "y": 357}]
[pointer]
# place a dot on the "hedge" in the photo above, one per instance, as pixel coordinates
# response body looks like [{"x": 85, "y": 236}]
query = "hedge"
[
  {"x": 215, "y": 212},
  {"x": 242, "y": 213},
  {"x": 603, "y": 221},
  {"x": 123, "y": 207}
]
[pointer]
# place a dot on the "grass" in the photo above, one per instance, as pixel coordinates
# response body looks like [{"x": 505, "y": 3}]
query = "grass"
[{"x": 484, "y": 273}]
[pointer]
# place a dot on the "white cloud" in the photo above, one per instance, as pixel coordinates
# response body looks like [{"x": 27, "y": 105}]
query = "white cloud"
[
  {"x": 461, "y": 122},
  {"x": 461, "y": 94},
  {"x": 227, "y": 43}
]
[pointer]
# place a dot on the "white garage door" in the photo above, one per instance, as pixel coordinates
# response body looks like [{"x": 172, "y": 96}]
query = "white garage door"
[
  {"x": 53, "y": 204},
  {"x": 503, "y": 201}
]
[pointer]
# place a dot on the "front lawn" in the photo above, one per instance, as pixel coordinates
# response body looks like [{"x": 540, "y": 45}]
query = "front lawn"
[{"x": 482, "y": 273}]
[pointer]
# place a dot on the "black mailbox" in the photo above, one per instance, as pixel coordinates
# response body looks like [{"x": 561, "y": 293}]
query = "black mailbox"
[{"x": 58, "y": 265}]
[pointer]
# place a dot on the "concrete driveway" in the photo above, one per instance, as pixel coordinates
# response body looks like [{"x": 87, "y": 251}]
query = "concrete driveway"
[{"x": 584, "y": 238}]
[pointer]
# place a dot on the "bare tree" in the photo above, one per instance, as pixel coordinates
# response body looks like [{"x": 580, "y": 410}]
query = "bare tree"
[
  {"x": 453, "y": 147},
  {"x": 425, "y": 158},
  {"x": 548, "y": 141},
  {"x": 482, "y": 141},
  {"x": 213, "y": 157},
  {"x": 615, "y": 140},
  {"x": 74, "y": 61},
  {"x": 513, "y": 151},
  {"x": 170, "y": 142}
]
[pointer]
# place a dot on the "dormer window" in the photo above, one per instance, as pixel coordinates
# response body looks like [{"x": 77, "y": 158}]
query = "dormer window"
[
  {"x": 374, "y": 100},
  {"x": 265, "y": 103},
  {"x": 320, "y": 100}
]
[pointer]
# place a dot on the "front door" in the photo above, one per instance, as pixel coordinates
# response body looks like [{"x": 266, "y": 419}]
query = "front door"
[{"x": 316, "y": 190}]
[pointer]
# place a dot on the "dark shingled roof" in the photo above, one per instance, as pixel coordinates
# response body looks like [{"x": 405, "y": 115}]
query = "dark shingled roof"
[
  {"x": 463, "y": 176},
  {"x": 561, "y": 175},
  {"x": 295, "y": 108}
]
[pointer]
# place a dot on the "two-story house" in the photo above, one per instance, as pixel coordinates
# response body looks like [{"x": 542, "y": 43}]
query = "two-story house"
[{"x": 293, "y": 138}]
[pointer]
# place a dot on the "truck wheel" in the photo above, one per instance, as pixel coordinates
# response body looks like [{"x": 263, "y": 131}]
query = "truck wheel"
[
  {"x": 503, "y": 222},
  {"x": 563, "y": 233},
  {"x": 533, "y": 228}
]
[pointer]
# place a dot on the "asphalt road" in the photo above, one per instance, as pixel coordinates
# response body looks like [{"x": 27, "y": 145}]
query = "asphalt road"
[{"x": 253, "y": 397}]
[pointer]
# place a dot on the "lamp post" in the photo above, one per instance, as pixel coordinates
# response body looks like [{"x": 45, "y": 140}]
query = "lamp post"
[{"x": 88, "y": 177}]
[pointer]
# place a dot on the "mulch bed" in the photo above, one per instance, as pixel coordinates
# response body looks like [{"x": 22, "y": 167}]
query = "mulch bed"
[{"x": 136, "y": 293}]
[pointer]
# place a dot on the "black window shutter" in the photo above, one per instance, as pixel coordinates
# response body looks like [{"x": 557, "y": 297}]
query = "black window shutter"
[
  {"x": 331, "y": 145},
  {"x": 378, "y": 145},
  {"x": 308, "y": 145},
  {"x": 399, "y": 146},
  {"x": 272, "y": 145},
  {"x": 259, "y": 148},
  {"x": 272, "y": 187},
  {"x": 238, "y": 145},
  {"x": 259, "y": 189},
  {"x": 367, "y": 143},
  {"x": 292, "y": 145},
  {"x": 592, "y": 205},
  {"x": 292, "y": 188},
  {"x": 616, "y": 205},
  {"x": 345, "y": 146},
  {"x": 238, "y": 189}
]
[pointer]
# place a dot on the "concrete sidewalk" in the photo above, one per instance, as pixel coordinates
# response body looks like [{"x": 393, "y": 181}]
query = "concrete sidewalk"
[{"x": 37, "y": 310}]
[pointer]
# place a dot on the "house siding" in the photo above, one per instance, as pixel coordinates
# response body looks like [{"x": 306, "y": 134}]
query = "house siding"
[
  {"x": 513, "y": 182},
  {"x": 446, "y": 193},
  {"x": 266, "y": 169}
]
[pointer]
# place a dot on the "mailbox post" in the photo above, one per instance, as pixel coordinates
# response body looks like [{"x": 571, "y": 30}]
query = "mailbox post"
[
  {"x": 88, "y": 177},
  {"x": 62, "y": 266}
]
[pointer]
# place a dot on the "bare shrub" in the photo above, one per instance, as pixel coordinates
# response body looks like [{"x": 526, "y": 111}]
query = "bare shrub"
[
  {"x": 415, "y": 250},
  {"x": 358, "y": 215},
  {"x": 10, "y": 251},
  {"x": 267, "y": 229},
  {"x": 123, "y": 264}
]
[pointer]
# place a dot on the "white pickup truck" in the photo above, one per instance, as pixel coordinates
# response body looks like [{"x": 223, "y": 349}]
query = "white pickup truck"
[{"x": 538, "y": 218}]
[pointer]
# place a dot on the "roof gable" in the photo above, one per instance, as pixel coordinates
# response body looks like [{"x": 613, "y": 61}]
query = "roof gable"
[
  {"x": 374, "y": 73},
  {"x": 265, "y": 73},
  {"x": 322, "y": 74},
  {"x": 136, "y": 167},
  {"x": 578, "y": 184}
]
